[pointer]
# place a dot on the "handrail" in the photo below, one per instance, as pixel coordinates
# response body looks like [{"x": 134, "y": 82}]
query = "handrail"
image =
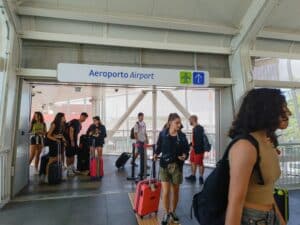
[
  {"x": 289, "y": 144},
  {"x": 5, "y": 151}
]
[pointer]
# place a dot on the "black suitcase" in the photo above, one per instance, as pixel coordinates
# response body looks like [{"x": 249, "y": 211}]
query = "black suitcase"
[
  {"x": 43, "y": 165},
  {"x": 121, "y": 161},
  {"x": 55, "y": 169},
  {"x": 281, "y": 197},
  {"x": 83, "y": 156}
]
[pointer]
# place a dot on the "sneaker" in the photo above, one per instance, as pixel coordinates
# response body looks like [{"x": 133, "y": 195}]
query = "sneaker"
[
  {"x": 174, "y": 218},
  {"x": 46, "y": 180},
  {"x": 70, "y": 172},
  {"x": 75, "y": 171},
  {"x": 191, "y": 178},
  {"x": 201, "y": 180},
  {"x": 42, "y": 179},
  {"x": 165, "y": 219}
]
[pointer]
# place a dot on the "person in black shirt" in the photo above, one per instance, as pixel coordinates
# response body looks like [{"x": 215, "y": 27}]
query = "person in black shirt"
[
  {"x": 55, "y": 136},
  {"x": 97, "y": 132},
  {"x": 197, "y": 150},
  {"x": 74, "y": 127},
  {"x": 173, "y": 146}
]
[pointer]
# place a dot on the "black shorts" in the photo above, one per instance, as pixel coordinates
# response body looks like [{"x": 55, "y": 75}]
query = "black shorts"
[
  {"x": 36, "y": 140},
  {"x": 71, "y": 151},
  {"x": 96, "y": 142}
]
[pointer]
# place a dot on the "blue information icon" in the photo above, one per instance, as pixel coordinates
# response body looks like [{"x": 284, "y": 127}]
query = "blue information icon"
[{"x": 198, "y": 78}]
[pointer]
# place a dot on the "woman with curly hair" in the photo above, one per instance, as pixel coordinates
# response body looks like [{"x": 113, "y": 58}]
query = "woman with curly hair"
[
  {"x": 262, "y": 112},
  {"x": 38, "y": 131},
  {"x": 56, "y": 137}
]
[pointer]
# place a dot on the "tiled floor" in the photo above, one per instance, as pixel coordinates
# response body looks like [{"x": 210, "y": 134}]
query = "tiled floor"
[{"x": 80, "y": 202}]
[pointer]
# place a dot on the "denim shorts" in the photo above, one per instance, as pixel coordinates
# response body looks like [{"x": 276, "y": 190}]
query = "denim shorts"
[{"x": 256, "y": 217}]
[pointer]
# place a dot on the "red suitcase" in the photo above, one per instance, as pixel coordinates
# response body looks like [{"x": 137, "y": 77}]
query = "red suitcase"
[
  {"x": 147, "y": 197},
  {"x": 96, "y": 164}
]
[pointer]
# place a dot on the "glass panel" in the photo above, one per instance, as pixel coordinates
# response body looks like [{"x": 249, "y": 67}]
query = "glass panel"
[
  {"x": 51, "y": 99},
  {"x": 276, "y": 69},
  {"x": 1, "y": 87}
]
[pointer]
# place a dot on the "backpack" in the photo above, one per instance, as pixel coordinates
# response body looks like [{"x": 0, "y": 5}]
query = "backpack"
[
  {"x": 210, "y": 204},
  {"x": 132, "y": 132},
  {"x": 206, "y": 144}
]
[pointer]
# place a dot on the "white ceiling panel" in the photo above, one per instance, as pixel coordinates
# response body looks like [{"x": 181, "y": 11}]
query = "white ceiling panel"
[
  {"x": 141, "y": 7},
  {"x": 229, "y": 12},
  {"x": 136, "y": 33},
  {"x": 85, "y": 5},
  {"x": 285, "y": 16},
  {"x": 196, "y": 39},
  {"x": 61, "y": 26}
]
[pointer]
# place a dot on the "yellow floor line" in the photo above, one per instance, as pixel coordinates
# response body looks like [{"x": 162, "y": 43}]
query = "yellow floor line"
[{"x": 151, "y": 219}]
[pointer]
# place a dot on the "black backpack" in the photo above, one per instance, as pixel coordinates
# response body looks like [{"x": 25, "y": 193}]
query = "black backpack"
[
  {"x": 210, "y": 204},
  {"x": 132, "y": 132},
  {"x": 206, "y": 144}
]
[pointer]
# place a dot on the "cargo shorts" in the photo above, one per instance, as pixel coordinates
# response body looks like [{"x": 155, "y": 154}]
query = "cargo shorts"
[{"x": 172, "y": 174}]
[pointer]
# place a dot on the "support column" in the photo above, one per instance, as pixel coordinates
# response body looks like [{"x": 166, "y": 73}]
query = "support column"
[
  {"x": 154, "y": 114},
  {"x": 241, "y": 72},
  {"x": 103, "y": 105}
]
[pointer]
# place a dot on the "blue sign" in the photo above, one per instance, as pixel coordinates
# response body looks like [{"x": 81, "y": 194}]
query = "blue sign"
[{"x": 198, "y": 78}]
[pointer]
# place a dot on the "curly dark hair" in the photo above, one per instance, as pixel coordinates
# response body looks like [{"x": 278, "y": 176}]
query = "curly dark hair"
[
  {"x": 260, "y": 110},
  {"x": 59, "y": 126},
  {"x": 40, "y": 119}
]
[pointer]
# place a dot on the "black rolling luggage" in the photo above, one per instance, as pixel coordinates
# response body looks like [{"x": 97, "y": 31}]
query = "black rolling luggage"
[
  {"x": 55, "y": 168},
  {"x": 83, "y": 156},
  {"x": 43, "y": 166},
  {"x": 121, "y": 161}
]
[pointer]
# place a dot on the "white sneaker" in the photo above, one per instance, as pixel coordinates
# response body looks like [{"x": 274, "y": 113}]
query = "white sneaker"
[
  {"x": 75, "y": 171},
  {"x": 70, "y": 172},
  {"x": 42, "y": 179},
  {"x": 46, "y": 180}
]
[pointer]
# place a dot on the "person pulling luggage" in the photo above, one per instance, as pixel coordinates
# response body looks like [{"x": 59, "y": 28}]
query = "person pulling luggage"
[
  {"x": 56, "y": 140},
  {"x": 72, "y": 132},
  {"x": 97, "y": 134},
  {"x": 98, "y": 131},
  {"x": 173, "y": 146}
]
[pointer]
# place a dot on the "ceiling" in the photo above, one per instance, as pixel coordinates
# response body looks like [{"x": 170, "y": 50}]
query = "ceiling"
[
  {"x": 208, "y": 26},
  {"x": 200, "y": 10}
]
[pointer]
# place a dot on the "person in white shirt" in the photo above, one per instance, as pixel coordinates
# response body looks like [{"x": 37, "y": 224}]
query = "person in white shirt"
[{"x": 140, "y": 135}]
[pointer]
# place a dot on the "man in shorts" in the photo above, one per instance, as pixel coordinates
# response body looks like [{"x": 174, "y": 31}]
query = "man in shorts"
[
  {"x": 197, "y": 150},
  {"x": 73, "y": 127}
]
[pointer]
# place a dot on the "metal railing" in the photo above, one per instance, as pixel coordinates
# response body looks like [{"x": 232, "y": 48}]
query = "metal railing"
[
  {"x": 290, "y": 165},
  {"x": 4, "y": 188},
  {"x": 121, "y": 142}
]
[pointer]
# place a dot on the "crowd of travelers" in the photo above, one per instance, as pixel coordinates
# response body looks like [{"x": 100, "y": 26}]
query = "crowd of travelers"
[{"x": 252, "y": 173}]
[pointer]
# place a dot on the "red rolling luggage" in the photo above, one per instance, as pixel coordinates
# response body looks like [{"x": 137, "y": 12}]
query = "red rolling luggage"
[
  {"x": 147, "y": 197},
  {"x": 96, "y": 164}
]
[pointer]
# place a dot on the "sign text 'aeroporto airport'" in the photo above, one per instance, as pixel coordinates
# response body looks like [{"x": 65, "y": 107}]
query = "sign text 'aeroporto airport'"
[{"x": 123, "y": 75}]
